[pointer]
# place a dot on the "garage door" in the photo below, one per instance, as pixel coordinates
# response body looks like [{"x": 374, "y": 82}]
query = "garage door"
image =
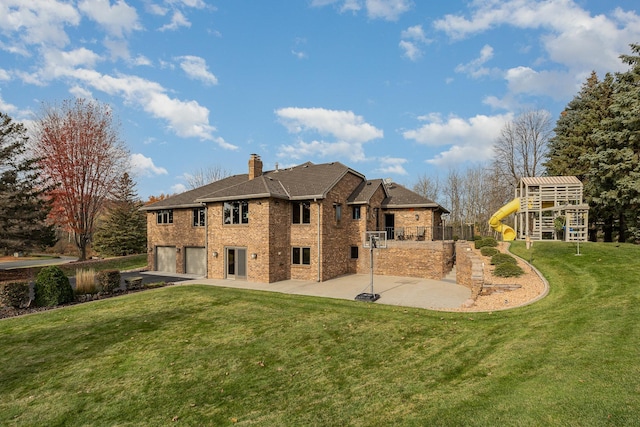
[
  {"x": 196, "y": 261},
  {"x": 166, "y": 259}
]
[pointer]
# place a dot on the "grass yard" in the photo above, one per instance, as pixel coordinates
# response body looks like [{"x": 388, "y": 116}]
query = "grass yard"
[{"x": 198, "y": 355}]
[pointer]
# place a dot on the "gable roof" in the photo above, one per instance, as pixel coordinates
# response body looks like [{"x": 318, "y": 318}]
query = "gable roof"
[
  {"x": 365, "y": 192},
  {"x": 302, "y": 182},
  {"x": 402, "y": 197}
]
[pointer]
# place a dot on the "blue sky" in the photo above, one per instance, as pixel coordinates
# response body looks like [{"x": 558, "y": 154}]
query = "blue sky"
[{"x": 391, "y": 88}]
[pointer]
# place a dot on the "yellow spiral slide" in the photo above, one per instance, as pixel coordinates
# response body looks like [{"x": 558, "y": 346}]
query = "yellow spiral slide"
[{"x": 508, "y": 233}]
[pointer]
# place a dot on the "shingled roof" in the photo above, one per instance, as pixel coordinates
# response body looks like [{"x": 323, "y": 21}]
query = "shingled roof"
[
  {"x": 364, "y": 192},
  {"x": 303, "y": 182},
  {"x": 402, "y": 197}
]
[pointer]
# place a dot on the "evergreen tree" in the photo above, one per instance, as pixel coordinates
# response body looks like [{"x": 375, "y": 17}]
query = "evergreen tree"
[
  {"x": 574, "y": 141},
  {"x": 124, "y": 231},
  {"x": 614, "y": 166},
  {"x": 23, "y": 208}
]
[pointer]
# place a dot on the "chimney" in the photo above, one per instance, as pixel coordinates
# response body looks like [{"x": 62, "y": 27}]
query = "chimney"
[{"x": 255, "y": 166}]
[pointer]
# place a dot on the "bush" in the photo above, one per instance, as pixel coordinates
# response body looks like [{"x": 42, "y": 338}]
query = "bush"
[
  {"x": 52, "y": 287},
  {"x": 501, "y": 258},
  {"x": 508, "y": 269},
  {"x": 14, "y": 294},
  {"x": 108, "y": 280},
  {"x": 488, "y": 251},
  {"x": 486, "y": 241},
  {"x": 86, "y": 281}
]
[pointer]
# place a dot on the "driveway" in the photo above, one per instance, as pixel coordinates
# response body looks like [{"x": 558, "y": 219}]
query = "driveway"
[
  {"x": 7, "y": 265},
  {"x": 393, "y": 290}
]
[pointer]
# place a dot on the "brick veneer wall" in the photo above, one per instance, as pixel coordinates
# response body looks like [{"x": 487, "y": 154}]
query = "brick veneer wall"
[
  {"x": 337, "y": 237},
  {"x": 180, "y": 234},
  {"x": 430, "y": 260},
  {"x": 469, "y": 268}
]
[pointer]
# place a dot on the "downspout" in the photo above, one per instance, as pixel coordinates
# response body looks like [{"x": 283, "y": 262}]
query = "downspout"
[
  {"x": 206, "y": 239},
  {"x": 319, "y": 246}
]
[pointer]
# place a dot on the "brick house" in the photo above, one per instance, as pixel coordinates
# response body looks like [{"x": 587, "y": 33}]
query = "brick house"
[{"x": 307, "y": 222}]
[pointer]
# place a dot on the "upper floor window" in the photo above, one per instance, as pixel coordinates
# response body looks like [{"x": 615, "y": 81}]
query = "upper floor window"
[
  {"x": 165, "y": 216},
  {"x": 356, "y": 212},
  {"x": 301, "y": 212},
  {"x": 236, "y": 212},
  {"x": 338, "y": 207},
  {"x": 198, "y": 217}
]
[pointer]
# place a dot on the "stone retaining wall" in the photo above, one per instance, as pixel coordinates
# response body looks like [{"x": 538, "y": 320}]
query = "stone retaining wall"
[{"x": 469, "y": 268}]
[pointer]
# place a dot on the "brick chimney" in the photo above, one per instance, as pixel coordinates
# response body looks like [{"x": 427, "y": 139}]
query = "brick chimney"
[{"x": 255, "y": 166}]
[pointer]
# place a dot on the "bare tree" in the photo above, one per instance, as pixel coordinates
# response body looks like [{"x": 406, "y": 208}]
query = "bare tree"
[
  {"x": 428, "y": 187},
  {"x": 521, "y": 148},
  {"x": 204, "y": 176},
  {"x": 80, "y": 152}
]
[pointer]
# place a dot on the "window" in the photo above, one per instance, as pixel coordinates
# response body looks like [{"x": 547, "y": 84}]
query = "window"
[
  {"x": 198, "y": 217},
  {"x": 165, "y": 216},
  {"x": 301, "y": 212},
  {"x": 301, "y": 256},
  {"x": 338, "y": 211},
  {"x": 236, "y": 212},
  {"x": 356, "y": 212},
  {"x": 354, "y": 252}
]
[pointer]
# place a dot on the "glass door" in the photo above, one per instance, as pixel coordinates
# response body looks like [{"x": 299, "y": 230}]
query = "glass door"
[{"x": 236, "y": 263}]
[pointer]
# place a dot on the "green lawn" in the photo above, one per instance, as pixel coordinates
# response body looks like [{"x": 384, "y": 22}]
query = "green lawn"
[{"x": 210, "y": 356}]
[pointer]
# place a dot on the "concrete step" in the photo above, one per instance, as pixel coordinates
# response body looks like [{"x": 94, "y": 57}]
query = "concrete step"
[{"x": 451, "y": 276}]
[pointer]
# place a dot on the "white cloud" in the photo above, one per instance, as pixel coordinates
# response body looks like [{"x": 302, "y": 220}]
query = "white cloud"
[
  {"x": 475, "y": 68},
  {"x": 389, "y": 10},
  {"x": 556, "y": 84},
  {"x": 468, "y": 139},
  {"x": 412, "y": 40},
  {"x": 4, "y": 75},
  {"x": 344, "y": 125},
  {"x": 117, "y": 20},
  {"x": 6, "y": 107},
  {"x": 574, "y": 41},
  {"x": 36, "y": 22},
  {"x": 196, "y": 68},
  {"x": 178, "y": 188},
  {"x": 349, "y": 131},
  {"x": 80, "y": 92},
  {"x": 392, "y": 165},
  {"x": 177, "y": 20},
  {"x": 142, "y": 165}
]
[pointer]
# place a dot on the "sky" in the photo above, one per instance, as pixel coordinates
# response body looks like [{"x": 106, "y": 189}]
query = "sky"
[{"x": 391, "y": 88}]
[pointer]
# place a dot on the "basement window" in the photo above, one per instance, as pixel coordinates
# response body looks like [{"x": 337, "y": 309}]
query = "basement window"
[{"x": 301, "y": 256}]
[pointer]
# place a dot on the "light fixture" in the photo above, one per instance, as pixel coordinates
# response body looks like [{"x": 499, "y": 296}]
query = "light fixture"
[
  {"x": 254, "y": 255},
  {"x": 215, "y": 254},
  {"x": 417, "y": 217},
  {"x": 177, "y": 250}
]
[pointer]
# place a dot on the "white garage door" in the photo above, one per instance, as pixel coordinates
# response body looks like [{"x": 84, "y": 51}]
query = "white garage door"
[
  {"x": 196, "y": 261},
  {"x": 166, "y": 259}
]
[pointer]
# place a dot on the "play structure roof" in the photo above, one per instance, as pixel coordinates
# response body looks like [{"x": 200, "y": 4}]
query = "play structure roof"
[{"x": 550, "y": 180}]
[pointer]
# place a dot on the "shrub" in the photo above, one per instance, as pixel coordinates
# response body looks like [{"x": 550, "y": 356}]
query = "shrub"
[
  {"x": 108, "y": 280},
  {"x": 14, "y": 294},
  {"x": 486, "y": 241},
  {"x": 501, "y": 258},
  {"x": 52, "y": 287},
  {"x": 86, "y": 281},
  {"x": 488, "y": 251},
  {"x": 508, "y": 270}
]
